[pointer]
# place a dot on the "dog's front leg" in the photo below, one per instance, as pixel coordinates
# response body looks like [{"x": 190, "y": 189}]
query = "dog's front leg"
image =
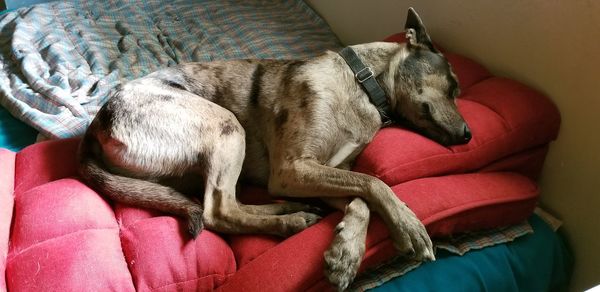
[
  {"x": 309, "y": 178},
  {"x": 344, "y": 255}
]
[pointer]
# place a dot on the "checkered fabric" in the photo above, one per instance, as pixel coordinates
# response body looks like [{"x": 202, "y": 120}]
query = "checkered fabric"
[
  {"x": 60, "y": 60},
  {"x": 459, "y": 244}
]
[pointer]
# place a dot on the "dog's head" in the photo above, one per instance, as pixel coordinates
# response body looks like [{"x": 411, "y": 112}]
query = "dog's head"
[{"x": 425, "y": 88}]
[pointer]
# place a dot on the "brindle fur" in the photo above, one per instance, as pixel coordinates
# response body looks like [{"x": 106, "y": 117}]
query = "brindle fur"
[{"x": 294, "y": 126}]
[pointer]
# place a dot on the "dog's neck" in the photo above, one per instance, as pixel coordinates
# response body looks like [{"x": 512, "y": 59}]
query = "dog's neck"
[
  {"x": 382, "y": 57},
  {"x": 377, "y": 55}
]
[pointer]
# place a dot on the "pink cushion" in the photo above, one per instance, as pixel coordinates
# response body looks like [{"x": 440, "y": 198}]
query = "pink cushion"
[
  {"x": 65, "y": 237},
  {"x": 161, "y": 256},
  {"x": 7, "y": 165}
]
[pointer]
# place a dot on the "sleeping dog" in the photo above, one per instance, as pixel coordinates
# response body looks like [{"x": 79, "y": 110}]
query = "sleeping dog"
[{"x": 294, "y": 126}]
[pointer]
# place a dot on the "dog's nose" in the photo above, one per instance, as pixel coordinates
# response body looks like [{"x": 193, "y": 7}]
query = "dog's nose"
[{"x": 466, "y": 134}]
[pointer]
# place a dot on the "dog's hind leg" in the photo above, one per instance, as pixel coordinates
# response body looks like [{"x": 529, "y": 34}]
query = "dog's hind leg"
[
  {"x": 137, "y": 192},
  {"x": 344, "y": 255},
  {"x": 222, "y": 212}
]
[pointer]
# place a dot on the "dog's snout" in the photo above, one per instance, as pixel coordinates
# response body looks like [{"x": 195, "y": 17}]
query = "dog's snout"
[{"x": 466, "y": 134}]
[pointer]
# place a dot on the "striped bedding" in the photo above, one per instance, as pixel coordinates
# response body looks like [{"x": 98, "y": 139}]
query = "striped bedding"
[{"x": 60, "y": 60}]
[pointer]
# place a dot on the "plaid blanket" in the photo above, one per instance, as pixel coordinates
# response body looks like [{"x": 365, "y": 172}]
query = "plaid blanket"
[{"x": 60, "y": 60}]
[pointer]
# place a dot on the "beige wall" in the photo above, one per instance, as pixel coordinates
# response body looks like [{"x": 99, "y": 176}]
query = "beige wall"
[{"x": 551, "y": 45}]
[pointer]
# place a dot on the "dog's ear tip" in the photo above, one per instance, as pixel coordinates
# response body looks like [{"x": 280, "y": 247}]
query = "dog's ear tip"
[
  {"x": 412, "y": 19},
  {"x": 416, "y": 33}
]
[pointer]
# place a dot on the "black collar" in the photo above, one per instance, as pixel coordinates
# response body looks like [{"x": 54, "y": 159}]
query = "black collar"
[{"x": 365, "y": 77}]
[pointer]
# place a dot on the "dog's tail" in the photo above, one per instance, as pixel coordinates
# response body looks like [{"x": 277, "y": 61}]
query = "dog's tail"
[{"x": 133, "y": 191}]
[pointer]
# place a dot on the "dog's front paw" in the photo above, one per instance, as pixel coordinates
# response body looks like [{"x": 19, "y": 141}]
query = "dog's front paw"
[
  {"x": 410, "y": 236},
  {"x": 344, "y": 256}
]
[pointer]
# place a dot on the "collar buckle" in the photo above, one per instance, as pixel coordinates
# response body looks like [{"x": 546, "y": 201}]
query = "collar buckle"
[{"x": 362, "y": 76}]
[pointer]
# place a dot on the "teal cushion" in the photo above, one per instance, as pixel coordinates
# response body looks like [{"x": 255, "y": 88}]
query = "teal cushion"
[
  {"x": 14, "y": 134},
  {"x": 535, "y": 262}
]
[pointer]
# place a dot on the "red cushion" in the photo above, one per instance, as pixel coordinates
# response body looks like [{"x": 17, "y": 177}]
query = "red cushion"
[
  {"x": 499, "y": 130},
  {"x": 492, "y": 199},
  {"x": 499, "y": 113},
  {"x": 445, "y": 204}
]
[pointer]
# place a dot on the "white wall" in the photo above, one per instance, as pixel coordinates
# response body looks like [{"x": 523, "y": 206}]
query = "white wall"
[{"x": 551, "y": 45}]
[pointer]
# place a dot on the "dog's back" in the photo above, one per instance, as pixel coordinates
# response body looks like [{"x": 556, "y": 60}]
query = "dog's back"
[{"x": 153, "y": 143}]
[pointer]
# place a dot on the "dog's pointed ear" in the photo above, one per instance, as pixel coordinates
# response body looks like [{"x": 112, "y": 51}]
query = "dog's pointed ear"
[{"x": 416, "y": 34}]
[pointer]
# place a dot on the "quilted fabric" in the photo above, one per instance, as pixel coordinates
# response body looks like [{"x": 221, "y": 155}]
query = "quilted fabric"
[{"x": 59, "y": 60}]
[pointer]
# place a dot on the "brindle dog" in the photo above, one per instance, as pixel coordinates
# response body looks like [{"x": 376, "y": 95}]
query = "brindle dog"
[{"x": 294, "y": 126}]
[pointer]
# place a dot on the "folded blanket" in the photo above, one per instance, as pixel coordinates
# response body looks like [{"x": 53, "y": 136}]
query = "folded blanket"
[{"x": 60, "y": 60}]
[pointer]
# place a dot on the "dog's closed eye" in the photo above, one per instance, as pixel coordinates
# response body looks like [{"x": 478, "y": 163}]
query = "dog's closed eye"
[{"x": 425, "y": 109}]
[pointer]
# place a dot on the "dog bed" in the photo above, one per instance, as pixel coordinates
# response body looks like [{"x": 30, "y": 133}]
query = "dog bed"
[
  {"x": 57, "y": 234},
  {"x": 129, "y": 247}
]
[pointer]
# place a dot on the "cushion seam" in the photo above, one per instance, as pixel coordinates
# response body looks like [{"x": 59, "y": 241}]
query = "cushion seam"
[
  {"x": 131, "y": 274},
  {"x": 13, "y": 254},
  {"x": 447, "y": 212}
]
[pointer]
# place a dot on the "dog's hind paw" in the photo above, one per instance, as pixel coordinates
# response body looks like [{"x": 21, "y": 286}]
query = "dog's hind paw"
[
  {"x": 309, "y": 218},
  {"x": 343, "y": 257},
  {"x": 195, "y": 224},
  {"x": 295, "y": 207},
  {"x": 299, "y": 221}
]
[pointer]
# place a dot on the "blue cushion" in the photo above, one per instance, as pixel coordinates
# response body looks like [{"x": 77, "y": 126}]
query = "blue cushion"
[
  {"x": 14, "y": 134},
  {"x": 535, "y": 262}
]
